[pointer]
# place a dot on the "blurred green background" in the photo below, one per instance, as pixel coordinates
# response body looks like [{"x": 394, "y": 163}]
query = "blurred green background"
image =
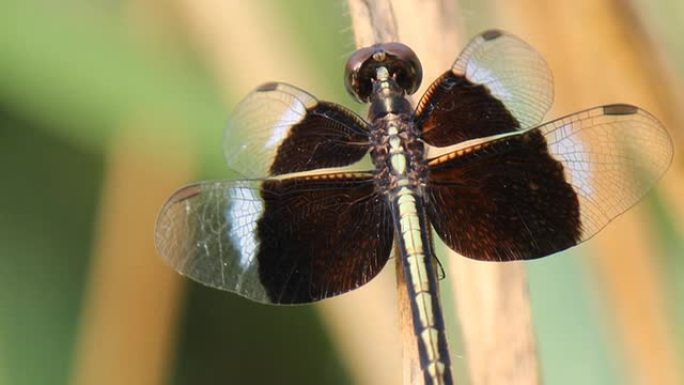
[{"x": 76, "y": 77}]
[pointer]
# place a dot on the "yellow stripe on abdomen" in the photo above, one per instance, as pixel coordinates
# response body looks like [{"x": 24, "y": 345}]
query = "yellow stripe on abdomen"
[{"x": 418, "y": 277}]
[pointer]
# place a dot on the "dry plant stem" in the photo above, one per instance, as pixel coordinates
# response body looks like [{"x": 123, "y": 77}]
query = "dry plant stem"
[
  {"x": 494, "y": 309},
  {"x": 487, "y": 295},
  {"x": 131, "y": 307},
  {"x": 628, "y": 272},
  {"x": 374, "y": 22}
]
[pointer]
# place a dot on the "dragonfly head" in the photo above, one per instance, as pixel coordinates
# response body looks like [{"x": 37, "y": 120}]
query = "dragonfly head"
[{"x": 401, "y": 63}]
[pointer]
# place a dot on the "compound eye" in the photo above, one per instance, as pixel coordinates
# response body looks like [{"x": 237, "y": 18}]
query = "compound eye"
[{"x": 401, "y": 62}]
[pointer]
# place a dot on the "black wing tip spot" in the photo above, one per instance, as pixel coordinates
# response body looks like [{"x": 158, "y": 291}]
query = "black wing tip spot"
[
  {"x": 492, "y": 34},
  {"x": 620, "y": 109},
  {"x": 266, "y": 87},
  {"x": 185, "y": 193}
]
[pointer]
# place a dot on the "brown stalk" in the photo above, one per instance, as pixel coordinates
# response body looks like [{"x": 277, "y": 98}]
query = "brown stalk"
[
  {"x": 487, "y": 295},
  {"x": 130, "y": 311},
  {"x": 374, "y": 22}
]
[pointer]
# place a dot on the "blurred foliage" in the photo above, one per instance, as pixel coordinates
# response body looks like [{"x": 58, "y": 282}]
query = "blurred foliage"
[
  {"x": 81, "y": 72},
  {"x": 48, "y": 199},
  {"x": 230, "y": 340}
]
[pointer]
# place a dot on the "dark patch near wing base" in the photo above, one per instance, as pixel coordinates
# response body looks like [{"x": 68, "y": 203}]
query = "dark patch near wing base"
[
  {"x": 505, "y": 201},
  {"x": 454, "y": 110},
  {"x": 328, "y": 136},
  {"x": 321, "y": 237}
]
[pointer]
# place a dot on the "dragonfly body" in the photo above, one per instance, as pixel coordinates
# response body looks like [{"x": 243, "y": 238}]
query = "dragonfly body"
[
  {"x": 308, "y": 220},
  {"x": 400, "y": 172}
]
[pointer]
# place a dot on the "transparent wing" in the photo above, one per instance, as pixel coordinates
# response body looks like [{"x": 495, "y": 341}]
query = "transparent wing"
[
  {"x": 513, "y": 71},
  {"x": 286, "y": 241},
  {"x": 531, "y": 194},
  {"x": 612, "y": 156},
  {"x": 279, "y": 129},
  {"x": 498, "y": 84}
]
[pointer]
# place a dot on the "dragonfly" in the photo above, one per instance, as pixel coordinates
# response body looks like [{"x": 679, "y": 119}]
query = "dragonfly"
[{"x": 325, "y": 195}]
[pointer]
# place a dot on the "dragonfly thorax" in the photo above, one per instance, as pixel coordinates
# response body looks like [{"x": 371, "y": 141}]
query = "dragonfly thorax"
[{"x": 397, "y": 153}]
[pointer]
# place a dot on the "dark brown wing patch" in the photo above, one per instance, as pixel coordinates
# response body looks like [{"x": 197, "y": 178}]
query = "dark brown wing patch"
[
  {"x": 506, "y": 201},
  {"x": 284, "y": 241},
  {"x": 321, "y": 237},
  {"x": 280, "y": 129},
  {"x": 454, "y": 110},
  {"x": 497, "y": 84},
  {"x": 328, "y": 136}
]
